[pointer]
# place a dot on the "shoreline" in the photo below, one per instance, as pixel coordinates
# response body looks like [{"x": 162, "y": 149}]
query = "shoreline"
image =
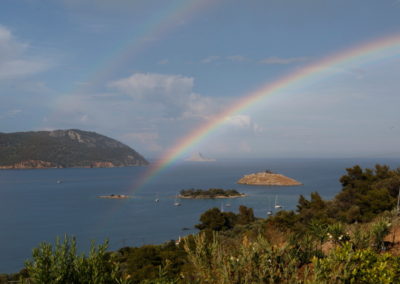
[{"x": 6, "y": 168}]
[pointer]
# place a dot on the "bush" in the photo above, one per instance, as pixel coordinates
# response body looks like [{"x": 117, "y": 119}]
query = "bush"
[
  {"x": 63, "y": 265},
  {"x": 346, "y": 265},
  {"x": 246, "y": 262}
]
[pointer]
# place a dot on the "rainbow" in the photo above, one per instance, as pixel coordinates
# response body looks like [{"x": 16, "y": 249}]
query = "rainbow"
[
  {"x": 163, "y": 22},
  {"x": 362, "y": 53}
]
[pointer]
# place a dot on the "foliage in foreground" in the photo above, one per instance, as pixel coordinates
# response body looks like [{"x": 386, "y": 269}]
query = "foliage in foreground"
[
  {"x": 347, "y": 265},
  {"x": 247, "y": 262},
  {"x": 261, "y": 261},
  {"x": 61, "y": 264}
]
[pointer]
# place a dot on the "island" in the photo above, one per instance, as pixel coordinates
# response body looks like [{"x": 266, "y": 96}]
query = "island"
[
  {"x": 268, "y": 178},
  {"x": 72, "y": 148},
  {"x": 115, "y": 196},
  {"x": 210, "y": 193}
]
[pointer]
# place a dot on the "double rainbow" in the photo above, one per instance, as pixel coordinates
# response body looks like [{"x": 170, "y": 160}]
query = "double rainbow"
[{"x": 363, "y": 53}]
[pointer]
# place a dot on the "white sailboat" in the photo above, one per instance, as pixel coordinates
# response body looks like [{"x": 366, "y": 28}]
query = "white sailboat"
[
  {"x": 269, "y": 212},
  {"x": 277, "y": 205},
  {"x": 177, "y": 203}
]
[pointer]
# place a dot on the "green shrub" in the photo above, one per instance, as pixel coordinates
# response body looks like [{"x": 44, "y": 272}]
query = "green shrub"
[
  {"x": 346, "y": 265},
  {"x": 246, "y": 262},
  {"x": 61, "y": 264}
]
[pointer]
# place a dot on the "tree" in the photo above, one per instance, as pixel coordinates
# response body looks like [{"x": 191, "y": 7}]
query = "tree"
[
  {"x": 215, "y": 220},
  {"x": 246, "y": 215}
]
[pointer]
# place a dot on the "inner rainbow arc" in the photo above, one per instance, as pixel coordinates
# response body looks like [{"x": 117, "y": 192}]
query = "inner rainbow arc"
[{"x": 389, "y": 44}]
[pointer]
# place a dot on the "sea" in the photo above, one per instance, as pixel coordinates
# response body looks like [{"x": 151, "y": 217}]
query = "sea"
[{"x": 42, "y": 204}]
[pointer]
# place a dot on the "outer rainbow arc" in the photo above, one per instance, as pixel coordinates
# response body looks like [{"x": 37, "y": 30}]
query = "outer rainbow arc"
[
  {"x": 158, "y": 27},
  {"x": 321, "y": 66}
]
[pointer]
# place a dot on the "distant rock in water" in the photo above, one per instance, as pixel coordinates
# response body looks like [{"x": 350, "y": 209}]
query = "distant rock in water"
[
  {"x": 64, "y": 149},
  {"x": 268, "y": 178},
  {"x": 198, "y": 157}
]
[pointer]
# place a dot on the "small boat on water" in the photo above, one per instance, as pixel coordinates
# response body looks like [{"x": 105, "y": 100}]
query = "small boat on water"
[
  {"x": 177, "y": 203},
  {"x": 269, "y": 212},
  {"x": 59, "y": 181},
  {"x": 277, "y": 205}
]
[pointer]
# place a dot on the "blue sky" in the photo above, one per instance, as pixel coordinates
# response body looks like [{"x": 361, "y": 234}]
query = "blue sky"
[{"x": 149, "y": 72}]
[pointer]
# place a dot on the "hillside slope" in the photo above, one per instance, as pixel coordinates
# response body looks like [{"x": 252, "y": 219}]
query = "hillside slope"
[{"x": 64, "y": 148}]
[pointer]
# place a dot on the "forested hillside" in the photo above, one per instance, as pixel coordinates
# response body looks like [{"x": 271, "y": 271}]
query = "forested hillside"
[{"x": 64, "y": 148}]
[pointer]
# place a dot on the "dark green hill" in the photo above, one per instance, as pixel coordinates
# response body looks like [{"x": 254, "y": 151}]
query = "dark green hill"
[{"x": 64, "y": 148}]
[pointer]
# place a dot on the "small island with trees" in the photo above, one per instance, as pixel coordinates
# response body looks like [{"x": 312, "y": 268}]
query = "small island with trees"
[
  {"x": 210, "y": 193},
  {"x": 115, "y": 196}
]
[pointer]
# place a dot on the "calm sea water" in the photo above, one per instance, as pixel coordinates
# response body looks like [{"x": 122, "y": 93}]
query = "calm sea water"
[{"x": 35, "y": 208}]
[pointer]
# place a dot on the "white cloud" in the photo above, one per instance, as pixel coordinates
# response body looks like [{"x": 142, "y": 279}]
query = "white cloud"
[
  {"x": 243, "y": 121},
  {"x": 10, "y": 113},
  {"x": 172, "y": 95},
  {"x": 281, "y": 60},
  {"x": 14, "y": 61},
  {"x": 239, "y": 120},
  {"x": 237, "y": 58},
  {"x": 210, "y": 59},
  {"x": 151, "y": 86}
]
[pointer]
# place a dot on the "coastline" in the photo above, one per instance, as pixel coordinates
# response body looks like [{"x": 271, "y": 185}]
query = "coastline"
[{"x": 6, "y": 168}]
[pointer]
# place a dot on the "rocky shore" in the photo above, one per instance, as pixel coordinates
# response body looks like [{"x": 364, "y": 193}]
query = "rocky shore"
[
  {"x": 266, "y": 178},
  {"x": 30, "y": 164},
  {"x": 38, "y": 164}
]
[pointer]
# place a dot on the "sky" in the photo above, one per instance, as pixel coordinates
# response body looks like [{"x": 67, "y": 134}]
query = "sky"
[{"x": 150, "y": 72}]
